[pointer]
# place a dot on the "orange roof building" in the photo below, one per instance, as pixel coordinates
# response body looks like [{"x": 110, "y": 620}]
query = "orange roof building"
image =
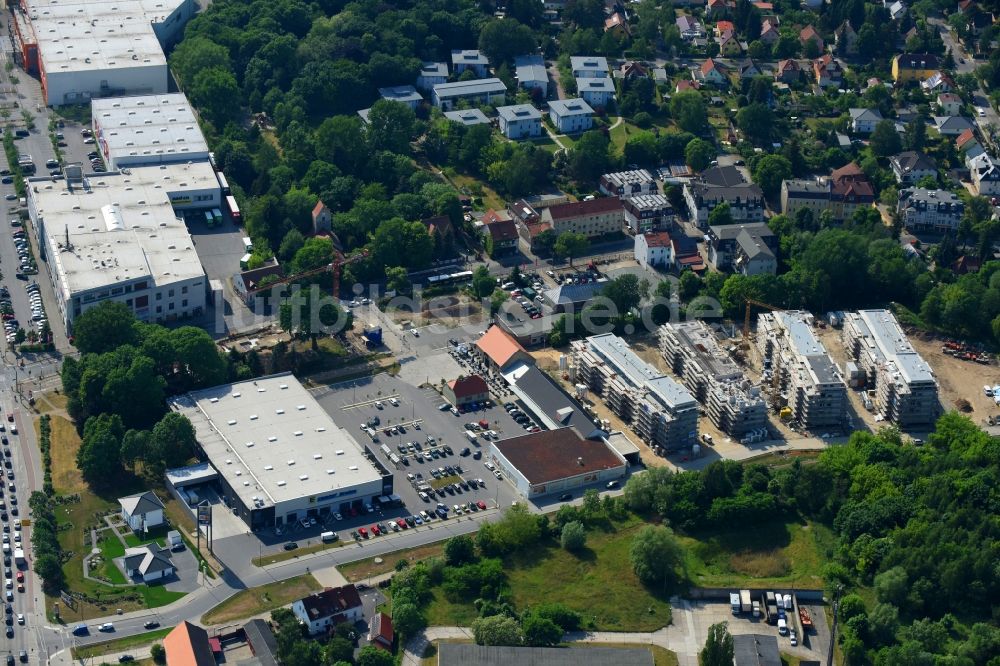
[
  {"x": 500, "y": 348},
  {"x": 187, "y": 645}
]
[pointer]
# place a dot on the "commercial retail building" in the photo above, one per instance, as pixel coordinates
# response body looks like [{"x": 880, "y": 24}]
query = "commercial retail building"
[{"x": 146, "y": 130}]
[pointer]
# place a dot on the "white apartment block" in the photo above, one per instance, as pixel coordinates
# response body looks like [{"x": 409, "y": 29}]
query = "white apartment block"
[
  {"x": 571, "y": 116},
  {"x": 811, "y": 383},
  {"x": 660, "y": 410},
  {"x": 520, "y": 121},
  {"x": 906, "y": 392}
]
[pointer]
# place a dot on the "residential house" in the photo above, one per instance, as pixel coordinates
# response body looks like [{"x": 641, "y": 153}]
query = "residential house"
[
  {"x": 711, "y": 72},
  {"x": 502, "y": 233},
  {"x": 475, "y": 93},
  {"x": 769, "y": 31},
  {"x": 469, "y": 59},
  {"x": 952, "y": 125},
  {"x": 809, "y": 34},
  {"x": 897, "y": 9},
  {"x": 827, "y": 71},
  {"x": 466, "y": 390},
  {"x": 407, "y": 95},
  {"x": 647, "y": 212},
  {"x": 749, "y": 69},
  {"x": 788, "y": 71},
  {"x": 432, "y": 74},
  {"x": 910, "y": 166},
  {"x": 965, "y": 264},
  {"x": 247, "y": 285},
  {"x": 589, "y": 67},
  {"x": 380, "y": 633},
  {"x": 363, "y": 114},
  {"x": 766, "y": 8},
  {"x": 148, "y": 563},
  {"x": 594, "y": 218},
  {"x": 467, "y": 117},
  {"x": 627, "y": 183},
  {"x": 968, "y": 145},
  {"x": 633, "y": 70},
  {"x": 729, "y": 45},
  {"x": 617, "y": 25},
  {"x": 685, "y": 255},
  {"x": 985, "y": 172},
  {"x": 929, "y": 210},
  {"x": 322, "y": 218},
  {"x": 529, "y": 70},
  {"x": 597, "y": 92},
  {"x": 652, "y": 249},
  {"x": 718, "y": 185},
  {"x": 846, "y": 39},
  {"x": 188, "y": 645},
  {"x": 914, "y": 66},
  {"x": 439, "y": 225},
  {"x": 520, "y": 121},
  {"x": 863, "y": 121},
  {"x": 690, "y": 28},
  {"x": 716, "y": 8},
  {"x": 842, "y": 193},
  {"x": 686, "y": 84},
  {"x": 949, "y": 104},
  {"x": 938, "y": 82},
  {"x": 660, "y": 75},
  {"x": 722, "y": 27},
  {"x": 571, "y": 116},
  {"x": 321, "y": 611},
  {"x": 142, "y": 512},
  {"x": 748, "y": 249}
]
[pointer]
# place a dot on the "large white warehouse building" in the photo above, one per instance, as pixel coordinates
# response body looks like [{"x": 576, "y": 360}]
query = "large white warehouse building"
[{"x": 147, "y": 129}]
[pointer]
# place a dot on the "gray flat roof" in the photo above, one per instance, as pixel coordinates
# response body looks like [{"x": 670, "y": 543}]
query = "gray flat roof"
[
  {"x": 191, "y": 475},
  {"x": 270, "y": 439},
  {"x": 518, "y": 112},
  {"x": 894, "y": 346},
  {"x": 756, "y": 650},
  {"x": 149, "y": 125},
  {"x": 530, "y": 68},
  {"x": 594, "y": 85},
  {"x": 618, "y": 354},
  {"x": 805, "y": 344},
  {"x": 462, "y": 654},
  {"x": 589, "y": 64},
  {"x": 467, "y": 116},
  {"x": 474, "y": 87},
  {"x": 571, "y": 107},
  {"x": 468, "y": 57},
  {"x": 434, "y": 69},
  {"x": 553, "y": 406},
  {"x": 400, "y": 94}
]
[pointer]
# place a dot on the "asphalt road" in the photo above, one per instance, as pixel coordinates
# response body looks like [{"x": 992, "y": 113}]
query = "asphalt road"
[{"x": 990, "y": 121}]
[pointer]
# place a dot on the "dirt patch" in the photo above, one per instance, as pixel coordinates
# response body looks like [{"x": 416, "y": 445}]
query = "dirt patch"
[
  {"x": 65, "y": 443},
  {"x": 960, "y": 379}
]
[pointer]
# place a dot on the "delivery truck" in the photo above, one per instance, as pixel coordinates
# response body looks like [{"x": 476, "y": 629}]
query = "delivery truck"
[
  {"x": 745, "y": 604},
  {"x": 734, "y": 602}
]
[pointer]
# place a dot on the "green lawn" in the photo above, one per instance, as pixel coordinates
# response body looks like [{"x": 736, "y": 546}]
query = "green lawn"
[
  {"x": 157, "y": 536},
  {"x": 119, "y": 644},
  {"x": 111, "y": 548},
  {"x": 248, "y": 603},
  {"x": 546, "y": 143}
]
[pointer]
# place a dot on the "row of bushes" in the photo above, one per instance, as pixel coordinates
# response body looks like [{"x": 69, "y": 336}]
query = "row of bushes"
[
  {"x": 45, "y": 445},
  {"x": 45, "y": 541}
]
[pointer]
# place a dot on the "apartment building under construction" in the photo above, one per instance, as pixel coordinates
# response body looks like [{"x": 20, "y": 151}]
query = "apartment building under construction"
[
  {"x": 661, "y": 411},
  {"x": 732, "y": 403},
  {"x": 906, "y": 392},
  {"x": 812, "y": 385}
]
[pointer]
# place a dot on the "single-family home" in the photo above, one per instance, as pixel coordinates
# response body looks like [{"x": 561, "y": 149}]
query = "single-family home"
[
  {"x": 910, "y": 166},
  {"x": 652, "y": 249},
  {"x": 722, "y": 27},
  {"x": 729, "y": 45},
  {"x": 142, "y": 512},
  {"x": 594, "y": 218},
  {"x": 897, "y": 9},
  {"x": 968, "y": 145},
  {"x": 589, "y": 67},
  {"x": 985, "y": 172},
  {"x": 716, "y": 8},
  {"x": 952, "y": 125},
  {"x": 188, "y": 644},
  {"x": 690, "y": 27},
  {"x": 647, "y": 212},
  {"x": 846, "y": 39},
  {"x": 380, "y": 633},
  {"x": 469, "y": 59},
  {"x": 617, "y": 25},
  {"x": 570, "y": 116},
  {"x": 809, "y": 34},
  {"x": 321, "y": 611},
  {"x": 685, "y": 255},
  {"x": 475, "y": 93},
  {"x": 686, "y": 84},
  {"x": 148, "y": 563},
  {"x": 624, "y": 184},
  {"x": 827, "y": 71},
  {"x": 949, "y": 103},
  {"x": 769, "y": 31},
  {"x": 407, "y": 95},
  {"x": 749, "y": 69},
  {"x": 748, "y": 249},
  {"x": 467, "y": 117},
  {"x": 711, "y": 72},
  {"x": 431, "y": 74},
  {"x": 466, "y": 390},
  {"x": 788, "y": 71},
  {"x": 529, "y": 70},
  {"x": 519, "y": 121},
  {"x": 597, "y": 92},
  {"x": 930, "y": 210},
  {"x": 914, "y": 66},
  {"x": 938, "y": 82},
  {"x": 501, "y": 231},
  {"x": 632, "y": 70},
  {"x": 863, "y": 121}
]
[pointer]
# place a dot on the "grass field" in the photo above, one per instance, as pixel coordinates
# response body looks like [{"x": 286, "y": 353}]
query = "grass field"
[
  {"x": 490, "y": 198},
  {"x": 261, "y": 599},
  {"x": 362, "y": 569},
  {"x": 119, "y": 644}
]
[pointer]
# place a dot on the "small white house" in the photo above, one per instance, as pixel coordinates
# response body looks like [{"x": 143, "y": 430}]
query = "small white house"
[
  {"x": 520, "y": 121},
  {"x": 654, "y": 249},
  {"x": 148, "y": 563},
  {"x": 571, "y": 116},
  {"x": 863, "y": 121},
  {"x": 142, "y": 512},
  {"x": 322, "y": 610}
]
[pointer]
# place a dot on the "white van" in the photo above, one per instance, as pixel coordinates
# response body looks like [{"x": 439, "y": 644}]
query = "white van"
[
  {"x": 782, "y": 627},
  {"x": 471, "y": 436},
  {"x": 327, "y": 537}
]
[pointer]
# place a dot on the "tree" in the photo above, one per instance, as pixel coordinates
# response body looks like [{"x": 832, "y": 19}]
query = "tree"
[
  {"x": 718, "y": 650},
  {"x": 590, "y": 156},
  {"x": 721, "y": 214},
  {"x": 757, "y": 122},
  {"x": 370, "y": 655},
  {"x": 49, "y": 570},
  {"x": 216, "y": 93},
  {"x": 641, "y": 148},
  {"x": 173, "y": 440},
  {"x": 483, "y": 283},
  {"x": 157, "y": 653},
  {"x": 770, "y": 171},
  {"x": 540, "y": 631},
  {"x": 892, "y": 585},
  {"x": 390, "y": 127},
  {"x": 657, "y": 557},
  {"x": 574, "y": 536},
  {"x": 497, "y": 630},
  {"x": 688, "y": 110},
  {"x": 885, "y": 140},
  {"x": 397, "y": 279},
  {"x": 626, "y": 292},
  {"x": 105, "y": 327},
  {"x": 504, "y": 39},
  {"x": 99, "y": 455},
  {"x": 459, "y": 550},
  {"x": 407, "y": 618},
  {"x": 698, "y": 154},
  {"x": 315, "y": 252},
  {"x": 570, "y": 244}
]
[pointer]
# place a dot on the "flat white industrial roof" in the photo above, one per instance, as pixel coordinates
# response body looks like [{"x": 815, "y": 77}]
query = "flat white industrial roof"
[
  {"x": 271, "y": 440},
  {"x": 147, "y": 125},
  {"x": 98, "y": 35},
  {"x": 121, "y": 226}
]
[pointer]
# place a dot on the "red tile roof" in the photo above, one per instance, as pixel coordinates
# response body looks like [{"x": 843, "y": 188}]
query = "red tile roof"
[
  {"x": 464, "y": 387},
  {"x": 499, "y": 346},
  {"x": 964, "y": 138},
  {"x": 724, "y": 26},
  {"x": 187, "y": 645},
  {"x": 550, "y": 455},
  {"x": 708, "y": 66},
  {"x": 318, "y": 208},
  {"x": 808, "y": 33},
  {"x": 685, "y": 84},
  {"x": 381, "y": 633},
  {"x": 502, "y": 230},
  {"x": 331, "y": 601},
  {"x": 849, "y": 170},
  {"x": 578, "y": 208},
  {"x": 657, "y": 239}
]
